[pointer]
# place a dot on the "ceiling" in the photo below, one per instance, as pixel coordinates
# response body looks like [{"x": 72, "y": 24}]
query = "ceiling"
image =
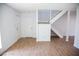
[{"x": 23, "y": 7}]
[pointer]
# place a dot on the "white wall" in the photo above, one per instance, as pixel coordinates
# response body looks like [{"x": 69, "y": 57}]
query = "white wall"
[
  {"x": 8, "y": 27},
  {"x": 0, "y": 28},
  {"x": 28, "y": 24},
  {"x": 76, "y": 42},
  {"x": 43, "y": 15}
]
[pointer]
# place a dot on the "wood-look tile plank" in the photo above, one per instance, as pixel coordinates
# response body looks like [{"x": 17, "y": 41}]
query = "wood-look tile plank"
[{"x": 29, "y": 47}]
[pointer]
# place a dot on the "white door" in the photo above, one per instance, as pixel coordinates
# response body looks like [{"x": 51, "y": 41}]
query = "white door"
[{"x": 43, "y": 32}]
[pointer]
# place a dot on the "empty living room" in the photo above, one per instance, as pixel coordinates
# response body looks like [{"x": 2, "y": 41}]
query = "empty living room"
[{"x": 39, "y": 29}]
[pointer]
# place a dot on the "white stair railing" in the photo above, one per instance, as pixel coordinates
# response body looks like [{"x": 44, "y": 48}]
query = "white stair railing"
[{"x": 55, "y": 19}]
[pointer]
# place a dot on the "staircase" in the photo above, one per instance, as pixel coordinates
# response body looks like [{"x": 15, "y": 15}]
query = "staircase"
[
  {"x": 54, "y": 20},
  {"x": 49, "y": 17}
]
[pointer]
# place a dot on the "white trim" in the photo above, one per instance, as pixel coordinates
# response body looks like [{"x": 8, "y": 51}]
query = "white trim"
[
  {"x": 36, "y": 24},
  {"x": 68, "y": 22}
]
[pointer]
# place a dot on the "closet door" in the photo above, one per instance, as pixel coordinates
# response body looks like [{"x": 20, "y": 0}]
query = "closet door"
[{"x": 43, "y": 32}]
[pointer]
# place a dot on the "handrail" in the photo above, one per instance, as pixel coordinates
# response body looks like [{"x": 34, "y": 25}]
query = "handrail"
[{"x": 57, "y": 17}]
